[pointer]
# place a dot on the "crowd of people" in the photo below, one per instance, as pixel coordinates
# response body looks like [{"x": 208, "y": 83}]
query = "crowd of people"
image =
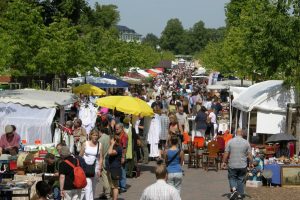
[{"x": 110, "y": 149}]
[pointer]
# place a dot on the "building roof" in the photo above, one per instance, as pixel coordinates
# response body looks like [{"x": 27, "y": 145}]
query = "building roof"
[{"x": 125, "y": 29}]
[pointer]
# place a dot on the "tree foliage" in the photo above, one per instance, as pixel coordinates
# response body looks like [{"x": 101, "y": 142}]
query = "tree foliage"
[
  {"x": 262, "y": 41},
  {"x": 151, "y": 40},
  {"x": 192, "y": 41},
  {"x": 172, "y": 36},
  {"x": 62, "y": 37}
]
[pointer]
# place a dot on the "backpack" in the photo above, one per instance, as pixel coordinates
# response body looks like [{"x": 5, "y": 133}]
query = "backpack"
[{"x": 79, "y": 175}]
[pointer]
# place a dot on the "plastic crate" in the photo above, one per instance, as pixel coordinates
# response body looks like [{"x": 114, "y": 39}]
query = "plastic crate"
[{"x": 253, "y": 184}]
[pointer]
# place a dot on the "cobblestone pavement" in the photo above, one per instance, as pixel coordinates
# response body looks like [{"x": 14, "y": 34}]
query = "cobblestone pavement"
[{"x": 197, "y": 184}]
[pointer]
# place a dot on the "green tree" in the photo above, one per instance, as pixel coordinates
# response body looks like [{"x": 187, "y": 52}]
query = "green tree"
[
  {"x": 151, "y": 40},
  {"x": 233, "y": 10},
  {"x": 105, "y": 16},
  {"x": 3, "y": 6},
  {"x": 171, "y": 37},
  {"x": 62, "y": 51},
  {"x": 212, "y": 58},
  {"x": 215, "y": 35},
  {"x": 198, "y": 37},
  {"x": 21, "y": 32}
]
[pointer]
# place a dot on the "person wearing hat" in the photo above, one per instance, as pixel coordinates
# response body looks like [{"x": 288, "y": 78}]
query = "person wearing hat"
[
  {"x": 66, "y": 175},
  {"x": 10, "y": 141}
]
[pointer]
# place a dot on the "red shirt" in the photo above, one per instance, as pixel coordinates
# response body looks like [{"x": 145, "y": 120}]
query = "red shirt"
[
  {"x": 123, "y": 140},
  {"x": 221, "y": 143}
]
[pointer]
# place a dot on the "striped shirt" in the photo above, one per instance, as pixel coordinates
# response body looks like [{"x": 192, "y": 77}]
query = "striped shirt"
[
  {"x": 238, "y": 149},
  {"x": 160, "y": 191},
  {"x": 164, "y": 127}
]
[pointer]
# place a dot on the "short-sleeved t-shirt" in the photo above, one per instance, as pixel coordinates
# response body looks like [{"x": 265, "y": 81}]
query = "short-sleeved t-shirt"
[
  {"x": 67, "y": 170},
  {"x": 238, "y": 148},
  {"x": 115, "y": 161}
]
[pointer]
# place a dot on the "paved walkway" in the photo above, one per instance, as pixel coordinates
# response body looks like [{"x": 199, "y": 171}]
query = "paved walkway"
[{"x": 197, "y": 184}]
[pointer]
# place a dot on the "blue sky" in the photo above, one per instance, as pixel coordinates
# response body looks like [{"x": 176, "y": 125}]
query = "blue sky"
[{"x": 151, "y": 16}]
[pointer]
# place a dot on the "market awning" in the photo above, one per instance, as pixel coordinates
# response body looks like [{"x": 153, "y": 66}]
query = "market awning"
[
  {"x": 119, "y": 83},
  {"x": 32, "y": 123},
  {"x": 265, "y": 96},
  {"x": 156, "y": 71},
  {"x": 37, "y": 98},
  {"x": 152, "y": 73}
]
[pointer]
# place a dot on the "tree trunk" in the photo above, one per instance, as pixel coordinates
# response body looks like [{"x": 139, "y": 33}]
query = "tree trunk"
[{"x": 297, "y": 129}]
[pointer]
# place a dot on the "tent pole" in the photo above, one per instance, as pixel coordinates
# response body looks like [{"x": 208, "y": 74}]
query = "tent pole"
[
  {"x": 248, "y": 130},
  {"x": 230, "y": 113},
  {"x": 236, "y": 119}
]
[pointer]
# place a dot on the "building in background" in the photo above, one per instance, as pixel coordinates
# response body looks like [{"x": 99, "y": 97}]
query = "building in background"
[{"x": 128, "y": 35}]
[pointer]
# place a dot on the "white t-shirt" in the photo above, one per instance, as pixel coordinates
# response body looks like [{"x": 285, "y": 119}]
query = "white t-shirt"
[
  {"x": 212, "y": 117},
  {"x": 136, "y": 126}
]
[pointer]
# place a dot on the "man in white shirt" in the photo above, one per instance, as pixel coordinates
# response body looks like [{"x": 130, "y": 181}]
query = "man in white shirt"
[
  {"x": 160, "y": 190},
  {"x": 213, "y": 120}
]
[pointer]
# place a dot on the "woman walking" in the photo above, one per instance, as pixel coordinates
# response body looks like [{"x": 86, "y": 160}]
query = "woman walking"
[
  {"x": 114, "y": 165},
  {"x": 174, "y": 162},
  {"x": 91, "y": 152},
  {"x": 174, "y": 130}
]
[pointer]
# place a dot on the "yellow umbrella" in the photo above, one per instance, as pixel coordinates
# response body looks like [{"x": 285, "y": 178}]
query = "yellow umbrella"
[
  {"x": 88, "y": 89},
  {"x": 126, "y": 104}
]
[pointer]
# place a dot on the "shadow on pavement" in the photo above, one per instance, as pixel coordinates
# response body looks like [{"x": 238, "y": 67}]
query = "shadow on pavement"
[{"x": 147, "y": 168}]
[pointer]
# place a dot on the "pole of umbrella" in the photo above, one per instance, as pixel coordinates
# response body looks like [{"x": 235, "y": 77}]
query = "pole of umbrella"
[
  {"x": 248, "y": 130},
  {"x": 236, "y": 119},
  {"x": 230, "y": 113}
]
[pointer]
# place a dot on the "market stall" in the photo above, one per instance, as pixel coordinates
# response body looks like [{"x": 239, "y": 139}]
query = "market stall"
[
  {"x": 268, "y": 101},
  {"x": 32, "y": 112}
]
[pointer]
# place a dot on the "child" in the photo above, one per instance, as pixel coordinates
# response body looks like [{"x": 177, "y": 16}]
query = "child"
[
  {"x": 255, "y": 172},
  {"x": 42, "y": 190}
]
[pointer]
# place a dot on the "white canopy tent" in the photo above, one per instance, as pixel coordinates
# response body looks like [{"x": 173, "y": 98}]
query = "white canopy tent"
[
  {"x": 269, "y": 99},
  {"x": 217, "y": 87},
  {"x": 235, "y": 83},
  {"x": 91, "y": 79},
  {"x": 200, "y": 70},
  {"x": 32, "y": 112},
  {"x": 236, "y": 91}
]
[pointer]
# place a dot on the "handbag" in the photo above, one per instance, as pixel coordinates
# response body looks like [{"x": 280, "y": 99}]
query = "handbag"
[
  {"x": 90, "y": 169},
  {"x": 115, "y": 173}
]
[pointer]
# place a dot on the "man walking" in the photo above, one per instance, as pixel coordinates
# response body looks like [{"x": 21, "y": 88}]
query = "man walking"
[
  {"x": 239, "y": 150},
  {"x": 123, "y": 142},
  {"x": 160, "y": 190},
  {"x": 66, "y": 176},
  {"x": 105, "y": 143}
]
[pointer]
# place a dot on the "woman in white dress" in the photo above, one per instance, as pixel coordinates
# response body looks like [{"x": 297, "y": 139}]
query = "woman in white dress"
[{"x": 91, "y": 152}]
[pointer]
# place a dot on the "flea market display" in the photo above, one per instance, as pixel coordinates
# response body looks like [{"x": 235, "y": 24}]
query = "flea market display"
[{"x": 112, "y": 128}]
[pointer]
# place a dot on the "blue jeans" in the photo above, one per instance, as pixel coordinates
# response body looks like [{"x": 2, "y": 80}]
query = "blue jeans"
[
  {"x": 236, "y": 179},
  {"x": 122, "y": 182}
]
